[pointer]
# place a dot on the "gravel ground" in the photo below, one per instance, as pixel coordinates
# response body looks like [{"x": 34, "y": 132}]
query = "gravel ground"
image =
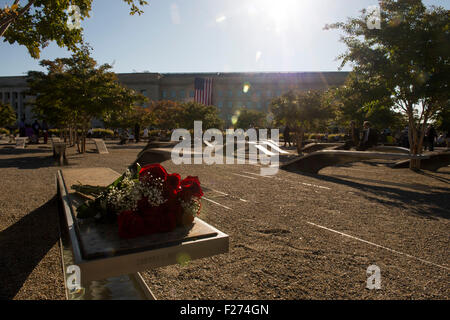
[{"x": 295, "y": 236}]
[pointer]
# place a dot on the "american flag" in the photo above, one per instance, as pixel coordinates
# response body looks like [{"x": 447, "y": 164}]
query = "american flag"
[{"x": 203, "y": 91}]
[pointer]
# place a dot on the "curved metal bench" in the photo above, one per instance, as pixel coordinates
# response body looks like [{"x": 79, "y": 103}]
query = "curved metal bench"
[
  {"x": 390, "y": 149},
  {"x": 314, "y": 162},
  {"x": 433, "y": 163},
  {"x": 313, "y": 147}
]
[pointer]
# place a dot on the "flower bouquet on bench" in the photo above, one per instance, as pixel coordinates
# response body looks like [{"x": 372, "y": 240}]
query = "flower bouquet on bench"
[{"x": 144, "y": 202}]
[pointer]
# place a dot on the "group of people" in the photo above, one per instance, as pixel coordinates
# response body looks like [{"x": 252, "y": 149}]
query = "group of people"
[
  {"x": 367, "y": 139},
  {"x": 370, "y": 137},
  {"x": 33, "y": 131},
  {"x": 364, "y": 141},
  {"x": 127, "y": 135},
  {"x": 432, "y": 139}
]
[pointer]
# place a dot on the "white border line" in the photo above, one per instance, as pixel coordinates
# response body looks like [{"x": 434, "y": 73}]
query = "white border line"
[
  {"x": 258, "y": 175},
  {"x": 379, "y": 246},
  {"x": 216, "y": 203},
  {"x": 241, "y": 175},
  {"x": 225, "y": 194}
]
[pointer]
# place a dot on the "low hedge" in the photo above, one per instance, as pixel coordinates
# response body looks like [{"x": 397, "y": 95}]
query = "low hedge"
[{"x": 105, "y": 133}]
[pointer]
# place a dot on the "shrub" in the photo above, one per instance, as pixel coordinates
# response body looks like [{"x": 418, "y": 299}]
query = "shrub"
[
  {"x": 316, "y": 136},
  {"x": 4, "y": 131},
  {"x": 54, "y": 131},
  {"x": 103, "y": 133},
  {"x": 336, "y": 137}
]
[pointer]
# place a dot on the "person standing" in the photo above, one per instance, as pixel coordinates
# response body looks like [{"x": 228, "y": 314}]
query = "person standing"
[
  {"x": 431, "y": 135},
  {"x": 369, "y": 137},
  {"x": 22, "y": 127},
  {"x": 287, "y": 135},
  {"x": 45, "y": 131},
  {"x": 354, "y": 131},
  {"x": 137, "y": 132},
  {"x": 36, "y": 127}
]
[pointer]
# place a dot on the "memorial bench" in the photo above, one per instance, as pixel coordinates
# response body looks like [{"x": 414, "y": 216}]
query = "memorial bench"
[
  {"x": 100, "y": 253},
  {"x": 59, "y": 153},
  {"x": 101, "y": 146},
  {"x": 21, "y": 142},
  {"x": 313, "y": 147},
  {"x": 433, "y": 163},
  {"x": 314, "y": 162},
  {"x": 390, "y": 149}
]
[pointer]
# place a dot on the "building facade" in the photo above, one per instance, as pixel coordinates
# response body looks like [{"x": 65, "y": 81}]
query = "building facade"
[{"x": 231, "y": 91}]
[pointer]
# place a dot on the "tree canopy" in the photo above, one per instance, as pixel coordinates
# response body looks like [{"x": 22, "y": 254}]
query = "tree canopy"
[
  {"x": 408, "y": 55},
  {"x": 75, "y": 90},
  {"x": 171, "y": 115},
  {"x": 361, "y": 99},
  {"x": 34, "y": 23},
  {"x": 192, "y": 111},
  {"x": 7, "y": 115},
  {"x": 301, "y": 111},
  {"x": 247, "y": 118},
  {"x": 128, "y": 118}
]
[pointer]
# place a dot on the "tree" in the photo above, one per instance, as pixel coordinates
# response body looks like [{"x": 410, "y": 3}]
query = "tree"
[
  {"x": 34, "y": 23},
  {"x": 171, "y": 115},
  {"x": 361, "y": 99},
  {"x": 75, "y": 91},
  {"x": 249, "y": 117},
  {"x": 301, "y": 111},
  {"x": 408, "y": 55},
  {"x": 166, "y": 114},
  {"x": 7, "y": 115},
  {"x": 128, "y": 118},
  {"x": 443, "y": 119},
  {"x": 192, "y": 111}
]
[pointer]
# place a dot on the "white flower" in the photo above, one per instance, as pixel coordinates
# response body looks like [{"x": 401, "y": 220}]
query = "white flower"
[
  {"x": 131, "y": 191},
  {"x": 192, "y": 207}
]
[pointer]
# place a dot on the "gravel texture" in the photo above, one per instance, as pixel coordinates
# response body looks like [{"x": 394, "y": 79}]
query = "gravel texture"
[{"x": 287, "y": 232}]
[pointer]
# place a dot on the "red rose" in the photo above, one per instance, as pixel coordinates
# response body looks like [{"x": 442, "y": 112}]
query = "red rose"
[
  {"x": 152, "y": 222},
  {"x": 143, "y": 204},
  {"x": 155, "y": 170},
  {"x": 131, "y": 225},
  {"x": 172, "y": 186},
  {"x": 174, "y": 207},
  {"x": 168, "y": 222},
  {"x": 173, "y": 181},
  {"x": 190, "y": 187}
]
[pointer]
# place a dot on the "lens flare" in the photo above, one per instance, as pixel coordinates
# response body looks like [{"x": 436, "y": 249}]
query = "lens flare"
[{"x": 183, "y": 259}]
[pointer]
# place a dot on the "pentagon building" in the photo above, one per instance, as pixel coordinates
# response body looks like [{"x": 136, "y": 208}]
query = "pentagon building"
[{"x": 228, "y": 92}]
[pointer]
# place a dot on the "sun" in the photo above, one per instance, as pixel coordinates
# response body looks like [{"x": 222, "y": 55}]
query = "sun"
[{"x": 279, "y": 12}]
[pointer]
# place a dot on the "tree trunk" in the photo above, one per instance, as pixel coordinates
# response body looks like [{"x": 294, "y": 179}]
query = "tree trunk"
[
  {"x": 299, "y": 132},
  {"x": 77, "y": 140},
  {"x": 416, "y": 136}
]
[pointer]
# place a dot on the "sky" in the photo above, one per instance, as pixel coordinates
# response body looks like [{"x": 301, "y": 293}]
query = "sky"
[{"x": 175, "y": 36}]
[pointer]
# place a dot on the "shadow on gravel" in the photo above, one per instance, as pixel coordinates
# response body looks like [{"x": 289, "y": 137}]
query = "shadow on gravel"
[
  {"x": 28, "y": 162},
  {"x": 442, "y": 179},
  {"x": 414, "y": 186},
  {"x": 24, "y": 244},
  {"x": 125, "y": 147},
  {"x": 14, "y": 151},
  {"x": 431, "y": 205}
]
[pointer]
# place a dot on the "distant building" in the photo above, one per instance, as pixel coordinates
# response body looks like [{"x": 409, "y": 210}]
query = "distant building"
[{"x": 230, "y": 92}]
